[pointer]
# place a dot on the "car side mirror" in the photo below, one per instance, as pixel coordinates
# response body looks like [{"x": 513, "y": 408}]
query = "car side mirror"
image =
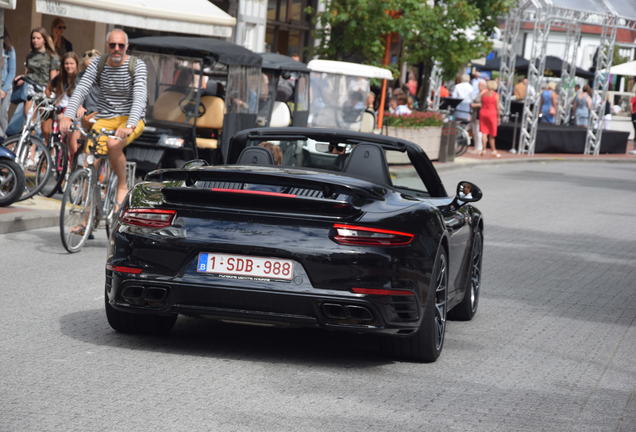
[{"x": 467, "y": 192}]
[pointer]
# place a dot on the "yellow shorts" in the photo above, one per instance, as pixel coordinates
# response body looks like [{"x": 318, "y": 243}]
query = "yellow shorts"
[{"x": 113, "y": 124}]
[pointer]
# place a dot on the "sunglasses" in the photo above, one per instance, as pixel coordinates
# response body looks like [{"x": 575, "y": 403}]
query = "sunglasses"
[
  {"x": 61, "y": 27},
  {"x": 113, "y": 45},
  {"x": 89, "y": 54}
]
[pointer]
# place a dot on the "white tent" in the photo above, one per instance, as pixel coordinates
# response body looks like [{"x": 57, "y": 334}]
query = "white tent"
[
  {"x": 199, "y": 17},
  {"x": 628, "y": 69}
]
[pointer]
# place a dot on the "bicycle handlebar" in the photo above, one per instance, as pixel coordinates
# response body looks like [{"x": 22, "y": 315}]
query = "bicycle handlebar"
[{"x": 93, "y": 134}]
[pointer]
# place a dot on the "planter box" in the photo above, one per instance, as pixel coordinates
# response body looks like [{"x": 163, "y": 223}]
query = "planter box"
[{"x": 429, "y": 138}]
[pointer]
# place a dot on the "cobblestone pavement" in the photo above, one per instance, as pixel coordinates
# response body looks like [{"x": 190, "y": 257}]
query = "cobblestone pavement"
[{"x": 552, "y": 348}]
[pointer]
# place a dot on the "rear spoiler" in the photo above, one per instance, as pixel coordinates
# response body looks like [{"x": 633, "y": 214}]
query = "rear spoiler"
[
  {"x": 330, "y": 185},
  {"x": 261, "y": 202}
]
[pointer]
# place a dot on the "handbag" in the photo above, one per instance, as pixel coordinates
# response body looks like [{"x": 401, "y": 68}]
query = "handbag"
[{"x": 19, "y": 93}]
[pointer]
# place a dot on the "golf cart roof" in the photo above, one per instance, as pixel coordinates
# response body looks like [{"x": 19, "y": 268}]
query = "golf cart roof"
[
  {"x": 275, "y": 61},
  {"x": 223, "y": 51},
  {"x": 352, "y": 69}
]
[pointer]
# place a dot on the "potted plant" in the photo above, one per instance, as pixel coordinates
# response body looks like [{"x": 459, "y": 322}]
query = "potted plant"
[{"x": 421, "y": 127}]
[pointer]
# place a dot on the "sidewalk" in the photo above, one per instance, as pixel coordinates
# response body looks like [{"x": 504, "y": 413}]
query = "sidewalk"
[{"x": 41, "y": 212}]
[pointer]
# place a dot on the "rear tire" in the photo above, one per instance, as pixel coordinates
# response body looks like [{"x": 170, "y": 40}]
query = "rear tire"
[
  {"x": 427, "y": 343},
  {"x": 59, "y": 157},
  {"x": 77, "y": 209},
  {"x": 132, "y": 323},
  {"x": 466, "y": 310},
  {"x": 11, "y": 182},
  {"x": 462, "y": 140}
]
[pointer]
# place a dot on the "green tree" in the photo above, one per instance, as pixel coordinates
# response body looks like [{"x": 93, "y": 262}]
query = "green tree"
[
  {"x": 353, "y": 30},
  {"x": 449, "y": 32}
]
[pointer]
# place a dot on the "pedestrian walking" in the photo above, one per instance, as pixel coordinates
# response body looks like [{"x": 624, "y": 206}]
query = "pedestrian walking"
[
  {"x": 549, "y": 103},
  {"x": 8, "y": 73},
  {"x": 463, "y": 90},
  {"x": 489, "y": 116},
  {"x": 582, "y": 106},
  {"x": 632, "y": 104},
  {"x": 62, "y": 45}
]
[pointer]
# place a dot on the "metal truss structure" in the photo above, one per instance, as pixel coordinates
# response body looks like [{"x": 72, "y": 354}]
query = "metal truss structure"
[
  {"x": 601, "y": 80},
  {"x": 435, "y": 82},
  {"x": 536, "y": 68},
  {"x": 544, "y": 14},
  {"x": 568, "y": 71},
  {"x": 508, "y": 57}
]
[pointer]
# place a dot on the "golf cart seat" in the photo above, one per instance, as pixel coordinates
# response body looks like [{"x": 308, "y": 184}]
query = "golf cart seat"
[
  {"x": 212, "y": 118},
  {"x": 166, "y": 108},
  {"x": 367, "y": 124}
]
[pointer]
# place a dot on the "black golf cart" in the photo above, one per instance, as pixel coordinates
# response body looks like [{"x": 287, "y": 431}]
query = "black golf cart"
[
  {"x": 201, "y": 91},
  {"x": 288, "y": 83}
]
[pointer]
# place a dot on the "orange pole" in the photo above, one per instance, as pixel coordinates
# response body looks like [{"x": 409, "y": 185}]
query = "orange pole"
[{"x": 387, "y": 58}]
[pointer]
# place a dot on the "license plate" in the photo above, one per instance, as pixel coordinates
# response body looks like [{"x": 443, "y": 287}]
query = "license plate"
[{"x": 245, "y": 266}]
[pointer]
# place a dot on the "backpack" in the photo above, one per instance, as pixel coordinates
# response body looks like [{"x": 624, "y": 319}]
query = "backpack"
[{"x": 132, "y": 64}]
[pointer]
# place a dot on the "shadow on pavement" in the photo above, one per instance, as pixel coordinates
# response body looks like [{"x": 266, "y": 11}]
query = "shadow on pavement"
[{"x": 209, "y": 338}]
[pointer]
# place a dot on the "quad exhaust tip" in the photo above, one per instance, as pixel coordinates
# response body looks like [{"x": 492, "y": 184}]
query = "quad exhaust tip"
[
  {"x": 347, "y": 313},
  {"x": 145, "y": 296}
]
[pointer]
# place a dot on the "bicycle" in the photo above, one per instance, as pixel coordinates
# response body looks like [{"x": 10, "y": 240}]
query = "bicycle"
[
  {"x": 31, "y": 153},
  {"x": 90, "y": 192},
  {"x": 59, "y": 152}
]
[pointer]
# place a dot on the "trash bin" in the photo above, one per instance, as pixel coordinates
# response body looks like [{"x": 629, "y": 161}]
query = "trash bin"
[{"x": 447, "y": 144}]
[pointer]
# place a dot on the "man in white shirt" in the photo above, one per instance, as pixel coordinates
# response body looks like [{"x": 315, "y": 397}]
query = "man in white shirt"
[{"x": 463, "y": 90}]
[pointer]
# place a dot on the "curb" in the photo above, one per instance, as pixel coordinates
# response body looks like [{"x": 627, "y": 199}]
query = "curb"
[
  {"x": 28, "y": 220},
  {"x": 470, "y": 163}
]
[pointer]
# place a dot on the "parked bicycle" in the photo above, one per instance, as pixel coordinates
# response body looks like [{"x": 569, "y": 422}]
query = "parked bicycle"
[
  {"x": 90, "y": 193},
  {"x": 31, "y": 153}
]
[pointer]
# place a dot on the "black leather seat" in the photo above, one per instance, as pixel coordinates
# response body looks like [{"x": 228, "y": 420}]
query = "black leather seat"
[
  {"x": 255, "y": 156},
  {"x": 368, "y": 161}
]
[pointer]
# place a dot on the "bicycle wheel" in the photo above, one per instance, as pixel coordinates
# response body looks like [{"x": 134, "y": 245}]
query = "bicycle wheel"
[
  {"x": 77, "y": 212},
  {"x": 462, "y": 140},
  {"x": 109, "y": 202},
  {"x": 35, "y": 160},
  {"x": 59, "y": 156}
]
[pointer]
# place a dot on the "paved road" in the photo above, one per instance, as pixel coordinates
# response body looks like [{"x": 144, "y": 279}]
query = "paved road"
[{"x": 553, "y": 347}]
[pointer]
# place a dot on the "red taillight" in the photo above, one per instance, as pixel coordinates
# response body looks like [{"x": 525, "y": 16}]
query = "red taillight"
[
  {"x": 374, "y": 291},
  {"x": 151, "y": 218},
  {"x": 123, "y": 269},
  {"x": 358, "y": 235}
]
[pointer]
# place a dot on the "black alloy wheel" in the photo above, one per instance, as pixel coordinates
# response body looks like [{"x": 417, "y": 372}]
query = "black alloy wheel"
[{"x": 427, "y": 343}]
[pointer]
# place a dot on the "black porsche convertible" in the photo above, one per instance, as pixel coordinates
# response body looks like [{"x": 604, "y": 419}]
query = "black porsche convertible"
[{"x": 301, "y": 227}]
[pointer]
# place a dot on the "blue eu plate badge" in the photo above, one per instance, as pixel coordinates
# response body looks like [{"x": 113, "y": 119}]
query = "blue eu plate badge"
[{"x": 203, "y": 262}]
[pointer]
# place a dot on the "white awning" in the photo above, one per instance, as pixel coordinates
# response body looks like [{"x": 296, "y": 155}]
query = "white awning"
[
  {"x": 627, "y": 69},
  {"x": 195, "y": 17},
  {"x": 346, "y": 68}
]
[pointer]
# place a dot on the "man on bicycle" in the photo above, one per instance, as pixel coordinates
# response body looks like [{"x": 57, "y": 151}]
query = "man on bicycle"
[{"x": 121, "y": 102}]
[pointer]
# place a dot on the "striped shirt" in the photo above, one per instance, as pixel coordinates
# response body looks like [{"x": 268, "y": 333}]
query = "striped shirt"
[{"x": 119, "y": 96}]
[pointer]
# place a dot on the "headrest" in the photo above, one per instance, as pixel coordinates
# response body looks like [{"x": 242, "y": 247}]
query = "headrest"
[
  {"x": 367, "y": 161},
  {"x": 255, "y": 156},
  {"x": 284, "y": 90},
  {"x": 213, "y": 88}
]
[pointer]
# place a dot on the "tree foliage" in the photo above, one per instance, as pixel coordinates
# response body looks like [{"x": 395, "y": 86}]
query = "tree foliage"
[
  {"x": 353, "y": 30},
  {"x": 451, "y": 32}
]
